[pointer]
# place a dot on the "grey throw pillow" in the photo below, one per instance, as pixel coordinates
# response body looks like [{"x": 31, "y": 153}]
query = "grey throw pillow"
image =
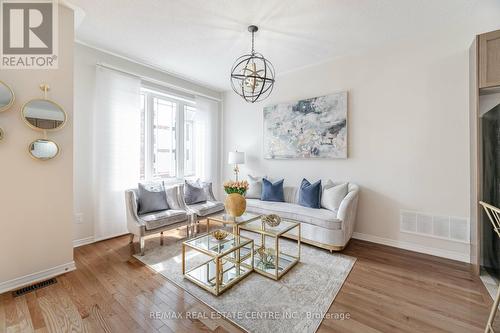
[
  {"x": 152, "y": 198},
  {"x": 194, "y": 192}
]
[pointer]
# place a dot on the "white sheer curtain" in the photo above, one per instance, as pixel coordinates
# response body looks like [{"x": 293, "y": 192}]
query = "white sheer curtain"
[
  {"x": 207, "y": 151},
  {"x": 116, "y": 147}
]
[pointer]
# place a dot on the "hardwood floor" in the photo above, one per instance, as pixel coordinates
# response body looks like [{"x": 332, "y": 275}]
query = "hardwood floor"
[{"x": 388, "y": 290}]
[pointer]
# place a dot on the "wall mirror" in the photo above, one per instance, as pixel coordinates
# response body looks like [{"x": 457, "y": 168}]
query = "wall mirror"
[
  {"x": 6, "y": 97},
  {"x": 43, "y": 114},
  {"x": 43, "y": 150}
]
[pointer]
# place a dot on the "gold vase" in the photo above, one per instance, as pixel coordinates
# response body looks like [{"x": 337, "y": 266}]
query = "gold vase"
[{"x": 235, "y": 204}]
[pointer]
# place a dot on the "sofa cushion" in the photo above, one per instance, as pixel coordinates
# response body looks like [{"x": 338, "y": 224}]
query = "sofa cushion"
[
  {"x": 272, "y": 191},
  {"x": 310, "y": 194},
  {"x": 161, "y": 219},
  {"x": 194, "y": 192},
  {"x": 207, "y": 208},
  {"x": 320, "y": 217},
  {"x": 255, "y": 187},
  {"x": 333, "y": 195},
  {"x": 152, "y": 198}
]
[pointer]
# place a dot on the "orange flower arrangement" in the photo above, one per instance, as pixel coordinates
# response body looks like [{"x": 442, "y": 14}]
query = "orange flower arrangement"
[{"x": 239, "y": 187}]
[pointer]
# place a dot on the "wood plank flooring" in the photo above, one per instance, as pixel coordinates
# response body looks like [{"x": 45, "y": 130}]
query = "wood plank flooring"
[{"x": 388, "y": 290}]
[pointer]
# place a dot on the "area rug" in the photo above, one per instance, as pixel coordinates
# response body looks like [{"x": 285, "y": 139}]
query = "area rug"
[{"x": 297, "y": 302}]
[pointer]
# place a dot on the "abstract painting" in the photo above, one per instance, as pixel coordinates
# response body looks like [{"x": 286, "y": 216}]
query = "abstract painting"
[{"x": 309, "y": 128}]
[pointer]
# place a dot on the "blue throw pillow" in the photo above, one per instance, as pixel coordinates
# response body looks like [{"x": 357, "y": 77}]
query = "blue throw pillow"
[
  {"x": 272, "y": 191},
  {"x": 310, "y": 194}
]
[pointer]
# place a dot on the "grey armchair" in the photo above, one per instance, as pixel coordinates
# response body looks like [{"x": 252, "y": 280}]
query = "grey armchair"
[
  {"x": 156, "y": 222},
  {"x": 202, "y": 210}
]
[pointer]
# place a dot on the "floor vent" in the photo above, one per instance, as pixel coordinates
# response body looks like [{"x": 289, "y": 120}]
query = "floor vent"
[
  {"x": 33, "y": 287},
  {"x": 443, "y": 227}
]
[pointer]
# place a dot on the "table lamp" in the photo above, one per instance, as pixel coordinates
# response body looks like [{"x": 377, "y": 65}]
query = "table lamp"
[{"x": 236, "y": 158}]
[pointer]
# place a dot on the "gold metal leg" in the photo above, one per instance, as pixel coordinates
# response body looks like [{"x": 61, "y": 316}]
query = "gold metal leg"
[
  {"x": 298, "y": 239},
  {"x": 494, "y": 308},
  {"x": 183, "y": 259},
  {"x": 208, "y": 225},
  {"x": 277, "y": 257},
  {"x": 217, "y": 275}
]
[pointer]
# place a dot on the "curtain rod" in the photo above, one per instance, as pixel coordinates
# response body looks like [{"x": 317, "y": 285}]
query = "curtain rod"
[{"x": 158, "y": 82}]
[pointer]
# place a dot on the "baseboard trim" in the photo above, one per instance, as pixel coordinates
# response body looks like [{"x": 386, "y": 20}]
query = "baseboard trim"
[
  {"x": 35, "y": 277},
  {"x": 83, "y": 241},
  {"x": 413, "y": 247}
]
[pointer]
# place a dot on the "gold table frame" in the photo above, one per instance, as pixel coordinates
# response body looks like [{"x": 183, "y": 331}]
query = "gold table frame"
[
  {"x": 217, "y": 285},
  {"x": 277, "y": 274},
  {"x": 233, "y": 221}
]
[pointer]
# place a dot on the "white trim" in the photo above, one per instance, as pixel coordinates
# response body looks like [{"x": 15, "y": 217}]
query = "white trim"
[
  {"x": 465, "y": 257},
  {"x": 35, "y": 277},
  {"x": 155, "y": 68},
  {"x": 83, "y": 241},
  {"x": 118, "y": 234}
]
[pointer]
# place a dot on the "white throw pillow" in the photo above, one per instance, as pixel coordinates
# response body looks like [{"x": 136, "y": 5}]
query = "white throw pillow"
[
  {"x": 333, "y": 195},
  {"x": 255, "y": 187}
]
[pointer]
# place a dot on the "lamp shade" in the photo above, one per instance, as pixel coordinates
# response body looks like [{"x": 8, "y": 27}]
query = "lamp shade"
[{"x": 236, "y": 157}]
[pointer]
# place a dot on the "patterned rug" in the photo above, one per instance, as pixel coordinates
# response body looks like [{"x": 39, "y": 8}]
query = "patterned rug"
[{"x": 295, "y": 303}]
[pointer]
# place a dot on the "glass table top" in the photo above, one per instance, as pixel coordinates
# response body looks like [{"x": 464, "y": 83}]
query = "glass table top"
[
  {"x": 259, "y": 226},
  {"x": 226, "y": 218},
  {"x": 214, "y": 246}
]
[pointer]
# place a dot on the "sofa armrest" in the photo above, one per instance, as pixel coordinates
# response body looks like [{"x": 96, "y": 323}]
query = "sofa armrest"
[
  {"x": 134, "y": 223},
  {"x": 180, "y": 198},
  {"x": 347, "y": 213}
]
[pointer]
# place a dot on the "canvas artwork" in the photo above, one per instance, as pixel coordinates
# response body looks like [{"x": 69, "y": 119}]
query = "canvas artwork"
[{"x": 309, "y": 128}]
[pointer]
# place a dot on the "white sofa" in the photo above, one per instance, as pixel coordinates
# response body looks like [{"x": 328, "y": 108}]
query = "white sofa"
[{"x": 324, "y": 228}]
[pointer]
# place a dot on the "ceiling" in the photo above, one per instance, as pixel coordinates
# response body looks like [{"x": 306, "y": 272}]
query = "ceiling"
[{"x": 200, "y": 39}]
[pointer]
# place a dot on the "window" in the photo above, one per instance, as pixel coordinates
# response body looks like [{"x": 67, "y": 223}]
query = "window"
[{"x": 167, "y": 136}]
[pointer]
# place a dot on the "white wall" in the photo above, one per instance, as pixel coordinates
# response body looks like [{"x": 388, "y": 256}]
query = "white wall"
[
  {"x": 86, "y": 59},
  {"x": 36, "y": 198},
  {"x": 408, "y": 131}
]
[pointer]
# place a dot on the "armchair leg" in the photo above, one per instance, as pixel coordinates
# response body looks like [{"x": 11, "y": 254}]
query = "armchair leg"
[
  {"x": 131, "y": 238},
  {"x": 141, "y": 242},
  {"x": 161, "y": 238}
]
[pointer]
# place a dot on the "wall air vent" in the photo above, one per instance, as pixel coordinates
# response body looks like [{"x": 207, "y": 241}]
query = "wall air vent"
[
  {"x": 24, "y": 290},
  {"x": 443, "y": 227}
]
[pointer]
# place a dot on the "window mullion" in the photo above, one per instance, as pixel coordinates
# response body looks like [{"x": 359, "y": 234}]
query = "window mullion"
[
  {"x": 180, "y": 139},
  {"x": 149, "y": 137}
]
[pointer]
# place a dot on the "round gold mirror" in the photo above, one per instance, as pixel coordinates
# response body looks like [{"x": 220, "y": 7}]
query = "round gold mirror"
[
  {"x": 44, "y": 115},
  {"x": 43, "y": 150},
  {"x": 6, "y": 97}
]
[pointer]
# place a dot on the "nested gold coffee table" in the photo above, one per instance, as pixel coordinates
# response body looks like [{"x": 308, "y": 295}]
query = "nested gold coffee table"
[
  {"x": 227, "y": 219},
  {"x": 272, "y": 261},
  {"x": 231, "y": 259}
]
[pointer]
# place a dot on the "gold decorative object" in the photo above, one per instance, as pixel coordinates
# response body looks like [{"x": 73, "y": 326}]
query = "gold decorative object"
[
  {"x": 43, "y": 150},
  {"x": 220, "y": 234},
  {"x": 43, "y": 114},
  {"x": 5, "y": 90},
  {"x": 235, "y": 204},
  {"x": 271, "y": 220},
  {"x": 267, "y": 257}
]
